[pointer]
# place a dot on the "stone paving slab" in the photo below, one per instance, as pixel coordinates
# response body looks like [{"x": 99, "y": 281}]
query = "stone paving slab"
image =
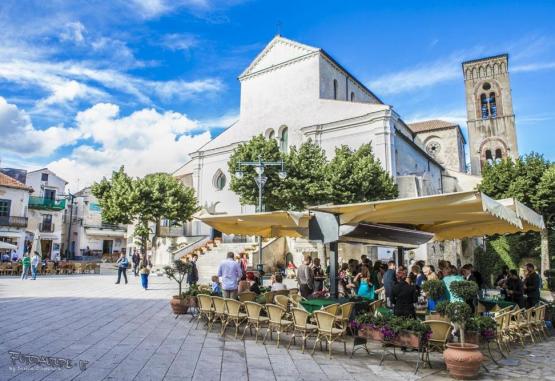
[{"x": 126, "y": 333}]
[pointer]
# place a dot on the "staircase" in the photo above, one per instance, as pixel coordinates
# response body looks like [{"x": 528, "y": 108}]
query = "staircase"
[{"x": 207, "y": 263}]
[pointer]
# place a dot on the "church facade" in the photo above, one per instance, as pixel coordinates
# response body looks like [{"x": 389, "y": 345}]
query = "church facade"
[{"x": 293, "y": 92}]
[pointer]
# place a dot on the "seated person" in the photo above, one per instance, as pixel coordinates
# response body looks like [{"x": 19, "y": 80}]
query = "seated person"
[
  {"x": 277, "y": 283},
  {"x": 216, "y": 286},
  {"x": 244, "y": 285},
  {"x": 253, "y": 283}
]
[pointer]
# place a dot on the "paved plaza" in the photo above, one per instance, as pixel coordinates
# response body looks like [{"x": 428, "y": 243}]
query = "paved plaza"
[{"x": 121, "y": 332}]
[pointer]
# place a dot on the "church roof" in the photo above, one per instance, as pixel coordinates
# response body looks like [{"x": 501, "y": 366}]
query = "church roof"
[
  {"x": 433, "y": 125},
  {"x": 430, "y": 125},
  {"x": 9, "y": 182}
]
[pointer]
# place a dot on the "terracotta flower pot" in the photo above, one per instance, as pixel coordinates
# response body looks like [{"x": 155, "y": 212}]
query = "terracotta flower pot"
[
  {"x": 179, "y": 305},
  {"x": 463, "y": 362},
  {"x": 371, "y": 333},
  {"x": 407, "y": 339}
]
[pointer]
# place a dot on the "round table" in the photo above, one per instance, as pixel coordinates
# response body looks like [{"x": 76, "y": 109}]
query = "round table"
[{"x": 311, "y": 305}]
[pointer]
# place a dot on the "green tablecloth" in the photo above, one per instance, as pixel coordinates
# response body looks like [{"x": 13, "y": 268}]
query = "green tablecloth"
[
  {"x": 491, "y": 303},
  {"x": 311, "y": 305}
]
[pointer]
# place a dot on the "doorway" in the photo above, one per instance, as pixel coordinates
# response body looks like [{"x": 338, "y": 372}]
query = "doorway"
[
  {"x": 46, "y": 248},
  {"x": 107, "y": 245}
]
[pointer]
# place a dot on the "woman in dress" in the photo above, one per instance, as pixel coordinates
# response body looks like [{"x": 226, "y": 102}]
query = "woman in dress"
[{"x": 366, "y": 288}]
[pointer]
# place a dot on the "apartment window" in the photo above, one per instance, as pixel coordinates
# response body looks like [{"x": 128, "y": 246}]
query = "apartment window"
[
  {"x": 284, "y": 140},
  {"x": 5, "y": 208},
  {"x": 44, "y": 177}
]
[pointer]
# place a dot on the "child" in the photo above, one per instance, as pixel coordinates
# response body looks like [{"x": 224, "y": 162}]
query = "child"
[{"x": 216, "y": 287}]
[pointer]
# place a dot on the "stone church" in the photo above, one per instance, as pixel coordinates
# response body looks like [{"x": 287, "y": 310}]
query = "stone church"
[{"x": 293, "y": 92}]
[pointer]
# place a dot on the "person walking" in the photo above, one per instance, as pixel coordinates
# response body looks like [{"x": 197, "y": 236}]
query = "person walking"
[
  {"x": 230, "y": 272},
  {"x": 144, "y": 272},
  {"x": 305, "y": 277},
  {"x": 192, "y": 276},
  {"x": 35, "y": 262},
  {"x": 122, "y": 264},
  {"x": 135, "y": 258},
  {"x": 532, "y": 284},
  {"x": 26, "y": 262}
]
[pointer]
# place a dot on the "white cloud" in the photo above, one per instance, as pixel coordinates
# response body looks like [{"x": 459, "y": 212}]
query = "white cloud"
[
  {"x": 73, "y": 31},
  {"x": 418, "y": 77},
  {"x": 145, "y": 141},
  {"x": 530, "y": 67},
  {"x": 457, "y": 115},
  {"x": 176, "y": 41},
  {"x": 20, "y": 137},
  {"x": 155, "y": 8}
]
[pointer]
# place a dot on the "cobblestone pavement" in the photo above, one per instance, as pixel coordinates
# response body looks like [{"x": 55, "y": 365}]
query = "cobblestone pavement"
[{"x": 126, "y": 333}]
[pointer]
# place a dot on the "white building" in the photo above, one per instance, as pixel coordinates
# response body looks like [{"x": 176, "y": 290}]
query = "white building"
[
  {"x": 46, "y": 207},
  {"x": 89, "y": 234},
  {"x": 14, "y": 197},
  {"x": 293, "y": 92}
]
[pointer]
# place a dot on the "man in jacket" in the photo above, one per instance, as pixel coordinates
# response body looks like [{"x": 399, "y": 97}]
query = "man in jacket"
[
  {"x": 192, "y": 277},
  {"x": 532, "y": 285},
  {"x": 305, "y": 277},
  {"x": 403, "y": 296},
  {"x": 136, "y": 259},
  {"x": 389, "y": 281}
]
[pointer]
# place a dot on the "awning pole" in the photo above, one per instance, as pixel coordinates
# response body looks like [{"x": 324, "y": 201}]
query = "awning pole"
[{"x": 334, "y": 266}]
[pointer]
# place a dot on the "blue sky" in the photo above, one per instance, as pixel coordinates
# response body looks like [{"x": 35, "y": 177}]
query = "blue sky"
[{"x": 86, "y": 86}]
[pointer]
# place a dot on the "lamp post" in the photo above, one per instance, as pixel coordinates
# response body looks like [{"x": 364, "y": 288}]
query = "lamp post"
[{"x": 260, "y": 180}]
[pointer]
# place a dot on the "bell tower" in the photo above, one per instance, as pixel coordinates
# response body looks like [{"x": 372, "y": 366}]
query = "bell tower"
[{"x": 489, "y": 109}]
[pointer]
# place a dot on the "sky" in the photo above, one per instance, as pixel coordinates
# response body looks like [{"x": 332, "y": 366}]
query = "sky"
[{"x": 88, "y": 86}]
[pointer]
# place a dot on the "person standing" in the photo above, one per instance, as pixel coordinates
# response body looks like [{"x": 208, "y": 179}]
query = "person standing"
[
  {"x": 403, "y": 296},
  {"x": 192, "y": 276},
  {"x": 305, "y": 278},
  {"x": 230, "y": 272},
  {"x": 26, "y": 262},
  {"x": 35, "y": 262},
  {"x": 532, "y": 284},
  {"x": 389, "y": 281},
  {"x": 135, "y": 258},
  {"x": 318, "y": 273},
  {"x": 366, "y": 288},
  {"x": 122, "y": 263},
  {"x": 515, "y": 291}
]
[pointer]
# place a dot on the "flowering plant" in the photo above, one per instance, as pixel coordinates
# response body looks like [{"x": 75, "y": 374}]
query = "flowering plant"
[{"x": 387, "y": 332}]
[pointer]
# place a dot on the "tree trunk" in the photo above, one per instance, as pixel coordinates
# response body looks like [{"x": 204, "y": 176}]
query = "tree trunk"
[
  {"x": 544, "y": 234},
  {"x": 461, "y": 331}
]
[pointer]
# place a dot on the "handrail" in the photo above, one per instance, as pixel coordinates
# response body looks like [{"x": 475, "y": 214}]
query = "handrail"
[
  {"x": 191, "y": 247},
  {"x": 19, "y": 222}
]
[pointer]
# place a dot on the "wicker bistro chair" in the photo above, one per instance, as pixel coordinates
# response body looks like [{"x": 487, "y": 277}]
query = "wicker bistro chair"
[
  {"x": 515, "y": 326},
  {"x": 282, "y": 300},
  {"x": 281, "y": 292},
  {"x": 527, "y": 325},
  {"x": 302, "y": 327},
  {"x": 327, "y": 331},
  {"x": 296, "y": 299},
  {"x": 277, "y": 323},
  {"x": 538, "y": 324},
  {"x": 234, "y": 315},
  {"x": 502, "y": 338},
  {"x": 220, "y": 313},
  {"x": 344, "y": 314},
  {"x": 293, "y": 291},
  {"x": 206, "y": 310},
  {"x": 269, "y": 297},
  {"x": 50, "y": 269},
  {"x": 254, "y": 318},
  {"x": 373, "y": 307},
  {"x": 332, "y": 309},
  {"x": 441, "y": 332},
  {"x": 247, "y": 296}
]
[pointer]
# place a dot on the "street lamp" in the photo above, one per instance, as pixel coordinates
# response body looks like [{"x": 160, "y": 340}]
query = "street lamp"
[{"x": 260, "y": 180}]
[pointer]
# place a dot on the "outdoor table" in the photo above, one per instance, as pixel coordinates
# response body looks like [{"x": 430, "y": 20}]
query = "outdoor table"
[
  {"x": 493, "y": 304},
  {"x": 311, "y": 305}
]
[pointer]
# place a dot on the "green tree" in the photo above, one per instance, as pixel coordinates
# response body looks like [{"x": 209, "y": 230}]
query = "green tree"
[
  {"x": 531, "y": 180},
  {"x": 357, "y": 176},
  {"x": 145, "y": 200},
  {"x": 305, "y": 184},
  {"x": 245, "y": 187}
]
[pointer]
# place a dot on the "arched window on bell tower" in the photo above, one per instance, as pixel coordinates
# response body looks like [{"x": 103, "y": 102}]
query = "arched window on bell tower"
[
  {"x": 498, "y": 155},
  {"x": 484, "y": 106},
  {"x": 492, "y": 105},
  {"x": 489, "y": 157}
]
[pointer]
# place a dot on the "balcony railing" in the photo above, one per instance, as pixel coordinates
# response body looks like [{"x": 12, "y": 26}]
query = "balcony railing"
[
  {"x": 107, "y": 226},
  {"x": 172, "y": 231},
  {"x": 46, "y": 203},
  {"x": 12, "y": 221},
  {"x": 46, "y": 227}
]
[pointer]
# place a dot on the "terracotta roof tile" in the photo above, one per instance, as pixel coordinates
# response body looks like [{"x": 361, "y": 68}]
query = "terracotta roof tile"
[
  {"x": 430, "y": 125},
  {"x": 7, "y": 181}
]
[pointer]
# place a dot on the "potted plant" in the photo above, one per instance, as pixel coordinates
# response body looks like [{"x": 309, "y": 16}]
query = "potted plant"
[
  {"x": 463, "y": 359},
  {"x": 435, "y": 291},
  {"x": 368, "y": 326},
  {"x": 190, "y": 296},
  {"x": 479, "y": 329},
  {"x": 410, "y": 332},
  {"x": 178, "y": 272}
]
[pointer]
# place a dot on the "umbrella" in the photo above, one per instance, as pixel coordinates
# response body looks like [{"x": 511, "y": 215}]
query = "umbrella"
[{"x": 7, "y": 246}]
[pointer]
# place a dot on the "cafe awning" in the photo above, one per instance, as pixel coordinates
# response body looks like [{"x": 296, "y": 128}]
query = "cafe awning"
[
  {"x": 267, "y": 224},
  {"x": 446, "y": 216}
]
